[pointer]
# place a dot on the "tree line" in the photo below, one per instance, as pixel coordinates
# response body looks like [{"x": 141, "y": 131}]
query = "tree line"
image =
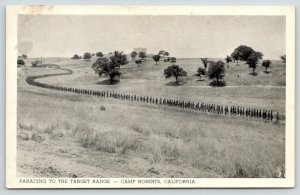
[{"x": 214, "y": 70}]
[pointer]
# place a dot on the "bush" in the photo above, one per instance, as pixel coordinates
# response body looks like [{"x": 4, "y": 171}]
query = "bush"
[
  {"x": 20, "y": 62},
  {"x": 173, "y": 60},
  {"x": 75, "y": 57}
]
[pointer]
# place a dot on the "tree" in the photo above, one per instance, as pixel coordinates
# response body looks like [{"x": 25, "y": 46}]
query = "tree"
[
  {"x": 173, "y": 60},
  {"x": 113, "y": 73},
  {"x": 200, "y": 72},
  {"x": 228, "y": 59},
  {"x": 253, "y": 59},
  {"x": 118, "y": 59},
  {"x": 235, "y": 57},
  {"x": 167, "y": 60},
  {"x": 142, "y": 55},
  {"x": 242, "y": 52},
  {"x": 204, "y": 61},
  {"x": 107, "y": 67},
  {"x": 87, "y": 56},
  {"x": 24, "y": 56},
  {"x": 266, "y": 64},
  {"x": 133, "y": 55},
  {"x": 156, "y": 58},
  {"x": 216, "y": 71},
  {"x": 75, "y": 57},
  {"x": 163, "y": 53},
  {"x": 138, "y": 62},
  {"x": 175, "y": 71},
  {"x": 283, "y": 58},
  {"x": 99, "y": 54}
]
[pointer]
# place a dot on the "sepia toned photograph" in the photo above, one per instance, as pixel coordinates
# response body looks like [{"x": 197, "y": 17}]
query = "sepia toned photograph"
[{"x": 135, "y": 98}]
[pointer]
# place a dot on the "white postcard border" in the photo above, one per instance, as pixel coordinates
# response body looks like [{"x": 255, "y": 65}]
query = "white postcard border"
[{"x": 11, "y": 95}]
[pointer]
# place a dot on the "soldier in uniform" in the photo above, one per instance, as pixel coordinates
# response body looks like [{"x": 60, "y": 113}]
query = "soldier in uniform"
[
  {"x": 271, "y": 116},
  {"x": 277, "y": 118}
]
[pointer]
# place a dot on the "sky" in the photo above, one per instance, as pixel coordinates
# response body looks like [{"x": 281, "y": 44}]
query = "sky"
[{"x": 182, "y": 36}]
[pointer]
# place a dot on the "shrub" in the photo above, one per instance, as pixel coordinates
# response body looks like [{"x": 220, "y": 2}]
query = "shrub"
[{"x": 20, "y": 62}]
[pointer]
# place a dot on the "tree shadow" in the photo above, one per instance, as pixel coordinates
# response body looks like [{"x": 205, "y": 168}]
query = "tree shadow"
[
  {"x": 253, "y": 73},
  {"x": 108, "y": 82},
  {"x": 217, "y": 84},
  {"x": 175, "y": 83}
]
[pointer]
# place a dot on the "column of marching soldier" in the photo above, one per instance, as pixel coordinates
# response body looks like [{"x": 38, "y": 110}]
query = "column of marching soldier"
[{"x": 197, "y": 106}]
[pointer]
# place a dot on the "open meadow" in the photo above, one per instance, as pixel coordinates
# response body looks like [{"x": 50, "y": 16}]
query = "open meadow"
[{"x": 71, "y": 135}]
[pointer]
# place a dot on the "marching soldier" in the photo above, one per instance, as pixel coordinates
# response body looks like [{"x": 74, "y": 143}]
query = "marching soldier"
[
  {"x": 277, "y": 118},
  {"x": 271, "y": 116}
]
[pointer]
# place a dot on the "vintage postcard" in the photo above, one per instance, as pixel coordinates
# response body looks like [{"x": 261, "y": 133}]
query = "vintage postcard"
[{"x": 150, "y": 96}]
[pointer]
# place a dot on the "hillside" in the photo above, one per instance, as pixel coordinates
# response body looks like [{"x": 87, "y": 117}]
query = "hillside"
[{"x": 84, "y": 136}]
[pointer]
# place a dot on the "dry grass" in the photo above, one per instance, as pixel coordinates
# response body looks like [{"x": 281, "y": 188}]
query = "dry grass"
[{"x": 221, "y": 145}]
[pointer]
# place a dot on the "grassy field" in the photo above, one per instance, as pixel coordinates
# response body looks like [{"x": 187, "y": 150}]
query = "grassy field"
[
  {"x": 264, "y": 91},
  {"x": 63, "y": 134}
]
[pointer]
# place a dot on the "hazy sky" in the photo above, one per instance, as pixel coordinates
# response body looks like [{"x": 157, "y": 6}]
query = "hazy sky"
[{"x": 181, "y": 36}]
